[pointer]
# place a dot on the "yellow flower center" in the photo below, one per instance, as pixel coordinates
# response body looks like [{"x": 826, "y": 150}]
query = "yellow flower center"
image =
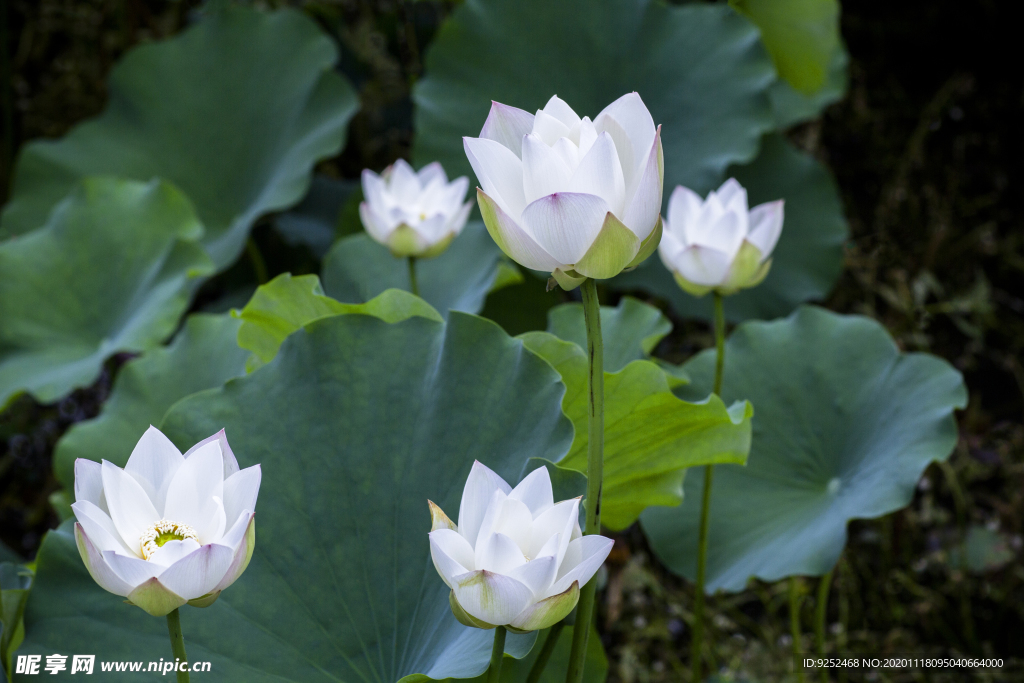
[{"x": 165, "y": 530}]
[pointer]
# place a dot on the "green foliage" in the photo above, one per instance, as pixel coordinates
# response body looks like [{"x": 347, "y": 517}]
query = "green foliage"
[
  {"x": 808, "y": 258},
  {"x": 595, "y": 667},
  {"x": 235, "y": 111},
  {"x": 846, "y": 425},
  {"x": 630, "y": 331},
  {"x": 112, "y": 270},
  {"x": 792, "y": 107},
  {"x": 699, "y": 68},
  {"x": 15, "y": 584},
  {"x": 358, "y": 269}
]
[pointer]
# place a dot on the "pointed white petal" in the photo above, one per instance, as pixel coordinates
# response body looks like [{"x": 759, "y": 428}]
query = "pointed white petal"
[
  {"x": 236, "y": 534},
  {"x": 565, "y": 224},
  {"x": 670, "y": 248},
  {"x": 582, "y": 560},
  {"x": 513, "y": 238},
  {"x": 498, "y": 553},
  {"x": 535, "y": 491},
  {"x": 98, "y": 568},
  {"x": 702, "y": 265},
  {"x": 684, "y": 208},
  {"x": 537, "y": 575},
  {"x": 230, "y": 463},
  {"x": 99, "y": 527},
  {"x": 403, "y": 183},
  {"x": 547, "y": 128},
  {"x": 558, "y": 520},
  {"x": 588, "y": 136},
  {"x": 515, "y": 521},
  {"x": 374, "y": 190},
  {"x": 476, "y": 496},
  {"x": 432, "y": 173},
  {"x": 500, "y": 173},
  {"x": 643, "y": 197},
  {"x": 451, "y": 553},
  {"x": 240, "y": 492},
  {"x": 725, "y": 235},
  {"x": 766, "y": 226},
  {"x": 507, "y": 125},
  {"x": 172, "y": 551},
  {"x": 89, "y": 482},
  {"x": 375, "y": 226},
  {"x": 197, "y": 573},
  {"x": 544, "y": 171},
  {"x": 489, "y": 597},
  {"x": 568, "y": 152},
  {"x": 458, "y": 219},
  {"x": 130, "y": 508},
  {"x": 600, "y": 173},
  {"x": 196, "y": 494},
  {"x": 132, "y": 570},
  {"x": 550, "y": 548},
  {"x": 560, "y": 110},
  {"x": 242, "y": 555},
  {"x": 491, "y": 515},
  {"x": 153, "y": 463},
  {"x": 733, "y": 196},
  {"x": 631, "y": 117}
]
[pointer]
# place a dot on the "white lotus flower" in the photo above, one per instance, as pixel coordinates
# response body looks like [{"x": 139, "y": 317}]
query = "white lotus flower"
[
  {"x": 414, "y": 214},
  {"x": 570, "y": 196},
  {"x": 168, "y": 528},
  {"x": 516, "y": 559},
  {"x": 716, "y": 243}
]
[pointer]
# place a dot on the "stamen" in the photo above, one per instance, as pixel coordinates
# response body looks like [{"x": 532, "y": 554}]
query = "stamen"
[{"x": 163, "y": 531}]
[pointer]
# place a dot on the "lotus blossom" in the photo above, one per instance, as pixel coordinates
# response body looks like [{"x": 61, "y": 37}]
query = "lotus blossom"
[
  {"x": 168, "y": 529},
  {"x": 516, "y": 558},
  {"x": 567, "y": 195},
  {"x": 716, "y": 244},
  {"x": 414, "y": 214}
]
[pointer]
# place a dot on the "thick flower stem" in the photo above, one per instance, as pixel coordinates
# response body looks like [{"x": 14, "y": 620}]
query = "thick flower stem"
[
  {"x": 413, "y": 286},
  {"x": 697, "y": 643},
  {"x": 537, "y": 670},
  {"x": 497, "y": 653},
  {"x": 595, "y": 470},
  {"x": 177, "y": 643}
]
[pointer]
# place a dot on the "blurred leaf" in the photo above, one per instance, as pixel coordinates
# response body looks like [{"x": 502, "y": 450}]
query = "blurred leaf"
[
  {"x": 801, "y": 36},
  {"x": 983, "y": 550},
  {"x": 845, "y": 426},
  {"x": 356, "y": 423},
  {"x": 651, "y": 436},
  {"x": 792, "y": 107},
  {"x": 112, "y": 270},
  {"x": 358, "y": 269},
  {"x": 809, "y": 256},
  {"x": 235, "y": 111},
  {"x": 699, "y": 68},
  {"x": 313, "y": 222},
  {"x": 203, "y": 355},
  {"x": 286, "y": 304},
  {"x": 15, "y": 584}
]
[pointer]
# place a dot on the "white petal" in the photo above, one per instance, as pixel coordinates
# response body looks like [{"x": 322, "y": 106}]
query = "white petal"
[
  {"x": 684, "y": 208},
  {"x": 514, "y": 520},
  {"x": 376, "y": 226},
  {"x": 582, "y": 560},
  {"x": 547, "y": 128},
  {"x": 588, "y": 135},
  {"x": 133, "y": 570},
  {"x": 551, "y": 547},
  {"x": 242, "y": 554},
  {"x": 513, "y": 238},
  {"x": 733, "y": 196},
  {"x": 89, "y": 482},
  {"x": 537, "y": 575},
  {"x": 130, "y": 507},
  {"x": 507, "y": 126},
  {"x": 234, "y": 536},
  {"x": 451, "y": 553},
  {"x": 454, "y": 195},
  {"x": 565, "y": 224},
  {"x": 643, "y": 197},
  {"x": 568, "y": 152},
  {"x": 560, "y": 110},
  {"x": 230, "y": 463},
  {"x": 535, "y": 491},
  {"x": 432, "y": 173},
  {"x": 374, "y": 190},
  {"x": 476, "y": 496},
  {"x": 558, "y": 520},
  {"x": 669, "y": 248},
  {"x": 600, "y": 173},
  {"x": 702, "y": 265},
  {"x": 631, "y": 117},
  {"x": 725, "y": 234},
  {"x": 491, "y": 516},
  {"x": 766, "y": 226},
  {"x": 199, "y": 572},
  {"x": 544, "y": 171},
  {"x": 500, "y": 173},
  {"x": 172, "y": 551},
  {"x": 196, "y": 494},
  {"x": 240, "y": 492},
  {"x": 98, "y": 568},
  {"x": 492, "y": 598},
  {"x": 458, "y": 220},
  {"x": 498, "y": 553},
  {"x": 98, "y": 526},
  {"x": 403, "y": 183},
  {"x": 153, "y": 463}
]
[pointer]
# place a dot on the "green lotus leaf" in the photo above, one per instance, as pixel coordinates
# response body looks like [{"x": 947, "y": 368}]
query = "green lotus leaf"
[
  {"x": 846, "y": 424},
  {"x": 792, "y": 107},
  {"x": 234, "y": 111},
  {"x": 356, "y": 423},
  {"x": 595, "y": 665},
  {"x": 808, "y": 258},
  {"x": 357, "y": 269},
  {"x": 700, "y": 69},
  {"x": 202, "y": 356},
  {"x": 315, "y": 221},
  {"x": 112, "y": 270},
  {"x": 651, "y": 436}
]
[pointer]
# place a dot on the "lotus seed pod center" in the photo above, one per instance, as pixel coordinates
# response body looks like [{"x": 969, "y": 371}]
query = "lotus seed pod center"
[{"x": 163, "y": 531}]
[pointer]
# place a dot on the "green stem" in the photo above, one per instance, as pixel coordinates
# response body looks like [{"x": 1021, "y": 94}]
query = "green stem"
[
  {"x": 697, "y": 643},
  {"x": 595, "y": 470},
  {"x": 794, "y": 625},
  {"x": 259, "y": 266},
  {"x": 413, "y": 286},
  {"x": 545, "y": 653},
  {"x": 820, "y": 609},
  {"x": 497, "y": 653},
  {"x": 177, "y": 643}
]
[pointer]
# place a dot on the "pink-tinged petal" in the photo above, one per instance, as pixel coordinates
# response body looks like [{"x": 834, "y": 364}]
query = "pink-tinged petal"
[
  {"x": 766, "y": 226},
  {"x": 99, "y": 570},
  {"x": 537, "y": 574},
  {"x": 702, "y": 265},
  {"x": 130, "y": 508},
  {"x": 558, "y": 520},
  {"x": 172, "y": 551},
  {"x": 242, "y": 555},
  {"x": 374, "y": 225},
  {"x": 684, "y": 209},
  {"x": 560, "y": 110},
  {"x": 133, "y": 570},
  {"x": 600, "y": 173},
  {"x": 507, "y": 125},
  {"x": 99, "y": 527},
  {"x": 643, "y": 196},
  {"x": 489, "y": 597},
  {"x": 230, "y": 463},
  {"x": 155, "y": 599},
  {"x": 547, "y": 129},
  {"x": 199, "y": 572},
  {"x": 153, "y": 463},
  {"x": 403, "y": 183},
  {"x": 544, "y": 170},
  {"x": 565, "y": 224},
  {"x": 535, "y": 491},
  {"x": 582, "y": 560},
  {"x": 511, "y": 238},
  {"x": 432, "y": 173},
  {"x": 733, "y": 196},
  {"x": 631, "y": 117},
  {"x": 498, "y": 553},
  {"x": 549, "y": 611},
  {"x": 500, "y": 173},
  {"x": 240, "y": 492},
  {"x": 89, "y": 482},
  {"x": 476, "y": 497},
  {"x": 196, "y": 494},
  {"x": 451, "y": 553}
]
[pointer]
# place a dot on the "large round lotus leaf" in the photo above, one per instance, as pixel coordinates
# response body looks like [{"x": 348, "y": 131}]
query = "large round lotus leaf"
[
  {"x": 700, "y": 69},
  {"x": 845, "y": 426},
  {"x": 356, "y": 269},
  {"x": 356, "y": 423},
  {"x": 112, "y": 270},
  {"x": 235, "y": 111},
  {"x": 791, "y": 107},
  {"x": 202, "y": 356},
  {"x": 809, "y": 256}
]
